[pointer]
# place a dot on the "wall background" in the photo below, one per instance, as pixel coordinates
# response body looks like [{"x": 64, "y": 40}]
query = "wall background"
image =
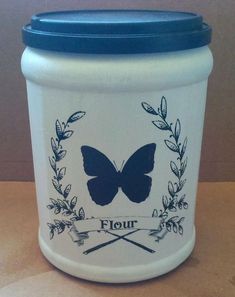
[{"x": 218, "y": 158}]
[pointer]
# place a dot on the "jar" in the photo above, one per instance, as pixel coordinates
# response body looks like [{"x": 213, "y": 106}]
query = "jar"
[{"x": 116, "y": 105}]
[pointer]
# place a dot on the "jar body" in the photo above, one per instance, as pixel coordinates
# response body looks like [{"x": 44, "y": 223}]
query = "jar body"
[{"x": 116, "y": 146}]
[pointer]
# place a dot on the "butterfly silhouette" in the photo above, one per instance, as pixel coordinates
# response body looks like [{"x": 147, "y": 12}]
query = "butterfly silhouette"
[{"x": 132, "y": 179}]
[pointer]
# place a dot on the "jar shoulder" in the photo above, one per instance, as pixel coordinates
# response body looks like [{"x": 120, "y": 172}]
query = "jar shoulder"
[{"x": 117, "y": 72}]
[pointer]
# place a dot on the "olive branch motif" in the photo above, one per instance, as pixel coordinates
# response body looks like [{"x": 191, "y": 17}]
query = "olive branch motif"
[
  {"x": 170, "y": 201},
  {"x": 64, "y": 205}
]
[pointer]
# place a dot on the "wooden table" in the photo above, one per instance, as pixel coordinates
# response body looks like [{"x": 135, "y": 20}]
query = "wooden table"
[{"x": 209, "y": 272}]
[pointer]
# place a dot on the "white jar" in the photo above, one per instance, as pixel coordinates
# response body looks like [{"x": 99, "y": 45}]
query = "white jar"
[{"x": 116, "y": 137}]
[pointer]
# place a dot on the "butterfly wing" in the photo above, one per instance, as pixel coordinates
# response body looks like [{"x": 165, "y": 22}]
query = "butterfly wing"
[
  {"x": 135, "y": 184},
  {"x": 96, "y": 163},
  {"x": 141, "y": 162},
  {"x": 103, "y": 187},
  {"x": 102, "y": 191},
  {"x": 137, "y": 189}
]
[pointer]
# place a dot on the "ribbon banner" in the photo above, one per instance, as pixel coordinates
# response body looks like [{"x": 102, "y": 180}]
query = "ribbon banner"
[
  {"x": 117, "y": 223},
  {"x": 80, "y": 230}
]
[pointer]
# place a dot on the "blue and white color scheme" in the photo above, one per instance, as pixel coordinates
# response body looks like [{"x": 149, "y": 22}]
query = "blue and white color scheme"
[{"x": 116, "y": 141}]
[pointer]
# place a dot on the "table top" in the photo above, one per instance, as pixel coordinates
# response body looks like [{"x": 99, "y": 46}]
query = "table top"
[{"x": 208, "y": 272}]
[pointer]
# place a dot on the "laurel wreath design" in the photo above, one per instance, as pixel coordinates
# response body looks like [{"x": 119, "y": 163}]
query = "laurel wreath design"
[
  {"x": 65, "y": 205},
  {"x": 174, "y": 200}
]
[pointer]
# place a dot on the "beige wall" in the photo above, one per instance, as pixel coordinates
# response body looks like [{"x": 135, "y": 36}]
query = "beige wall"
[{"x": 218, "y": 158}]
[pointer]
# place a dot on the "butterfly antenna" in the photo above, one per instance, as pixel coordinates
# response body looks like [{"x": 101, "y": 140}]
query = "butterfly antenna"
[
  {"x": 122, "y": 164},
  {"x": 115, "y": 165}
]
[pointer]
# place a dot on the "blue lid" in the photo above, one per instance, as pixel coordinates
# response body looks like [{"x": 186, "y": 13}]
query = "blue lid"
[{"x": 116, "y": 31}]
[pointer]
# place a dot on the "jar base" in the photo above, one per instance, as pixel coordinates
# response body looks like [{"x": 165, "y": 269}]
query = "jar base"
[{"x": 118, "y": 275}]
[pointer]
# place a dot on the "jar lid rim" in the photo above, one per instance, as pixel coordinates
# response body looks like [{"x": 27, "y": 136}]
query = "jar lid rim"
[{"x": 116, "y": 31}]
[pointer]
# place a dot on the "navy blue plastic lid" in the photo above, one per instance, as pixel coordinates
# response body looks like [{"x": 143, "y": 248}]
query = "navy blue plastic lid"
[{"x": 116, "y": 31}]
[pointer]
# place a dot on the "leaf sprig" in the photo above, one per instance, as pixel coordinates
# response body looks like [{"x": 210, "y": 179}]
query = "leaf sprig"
[
  {"x": 170, "y": 201},
  {"x": 65, "y": 205}
]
